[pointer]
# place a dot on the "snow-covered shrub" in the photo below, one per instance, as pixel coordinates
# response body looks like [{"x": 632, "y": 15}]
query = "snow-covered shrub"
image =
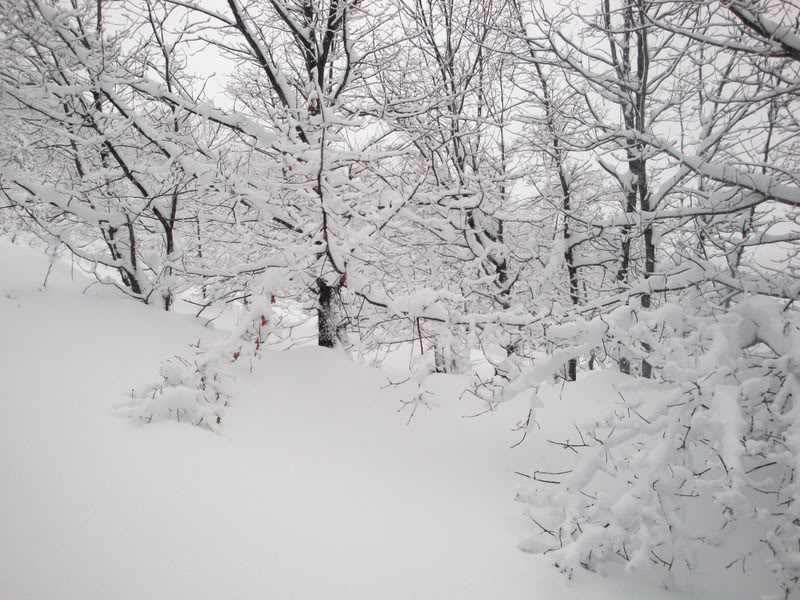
[
  {"x": 705, "y": 456},
  {"x": 196, "y": 390}
]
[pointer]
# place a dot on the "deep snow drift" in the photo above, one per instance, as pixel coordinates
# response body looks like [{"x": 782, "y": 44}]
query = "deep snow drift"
[{"x": 316, "y": 487}]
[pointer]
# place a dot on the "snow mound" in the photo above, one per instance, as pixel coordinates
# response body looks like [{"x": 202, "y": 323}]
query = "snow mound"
[{"x": 316, "y": 487}]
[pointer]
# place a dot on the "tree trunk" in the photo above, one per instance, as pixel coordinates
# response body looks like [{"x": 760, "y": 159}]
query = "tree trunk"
[{"x": 328, "y": 314}]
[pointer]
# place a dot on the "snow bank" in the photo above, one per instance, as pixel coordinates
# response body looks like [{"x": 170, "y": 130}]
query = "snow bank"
[{"x": 316, "y": 487}]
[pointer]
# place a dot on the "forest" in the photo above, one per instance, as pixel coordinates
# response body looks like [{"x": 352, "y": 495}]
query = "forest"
[{"x": 515, "y": 195}]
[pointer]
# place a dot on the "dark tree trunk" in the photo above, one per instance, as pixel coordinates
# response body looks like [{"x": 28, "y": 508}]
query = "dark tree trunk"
[
  {"x": 572, "y": 369},
  {"x": 650, "y": 264},
  {"x": 328, "y": 322}
]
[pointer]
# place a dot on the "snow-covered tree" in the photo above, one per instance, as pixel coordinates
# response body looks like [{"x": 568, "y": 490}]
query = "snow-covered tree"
[
  {"x": 94, "y": 166},
  {"x": 707, "y": 454}
]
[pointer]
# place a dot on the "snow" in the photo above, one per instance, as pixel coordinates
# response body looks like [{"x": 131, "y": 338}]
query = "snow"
[{"x": 316, "y": 487}]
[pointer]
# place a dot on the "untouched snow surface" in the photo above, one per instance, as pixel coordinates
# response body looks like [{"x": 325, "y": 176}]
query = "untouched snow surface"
[{"x": 317, "y": 488}]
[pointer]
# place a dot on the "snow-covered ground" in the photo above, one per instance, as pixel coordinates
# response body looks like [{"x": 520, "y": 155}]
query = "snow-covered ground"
[{"x": 316, "y": 488}]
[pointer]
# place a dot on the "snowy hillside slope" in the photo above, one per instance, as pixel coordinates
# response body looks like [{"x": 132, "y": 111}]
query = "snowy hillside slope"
[{"x": 316, "y": 488}]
